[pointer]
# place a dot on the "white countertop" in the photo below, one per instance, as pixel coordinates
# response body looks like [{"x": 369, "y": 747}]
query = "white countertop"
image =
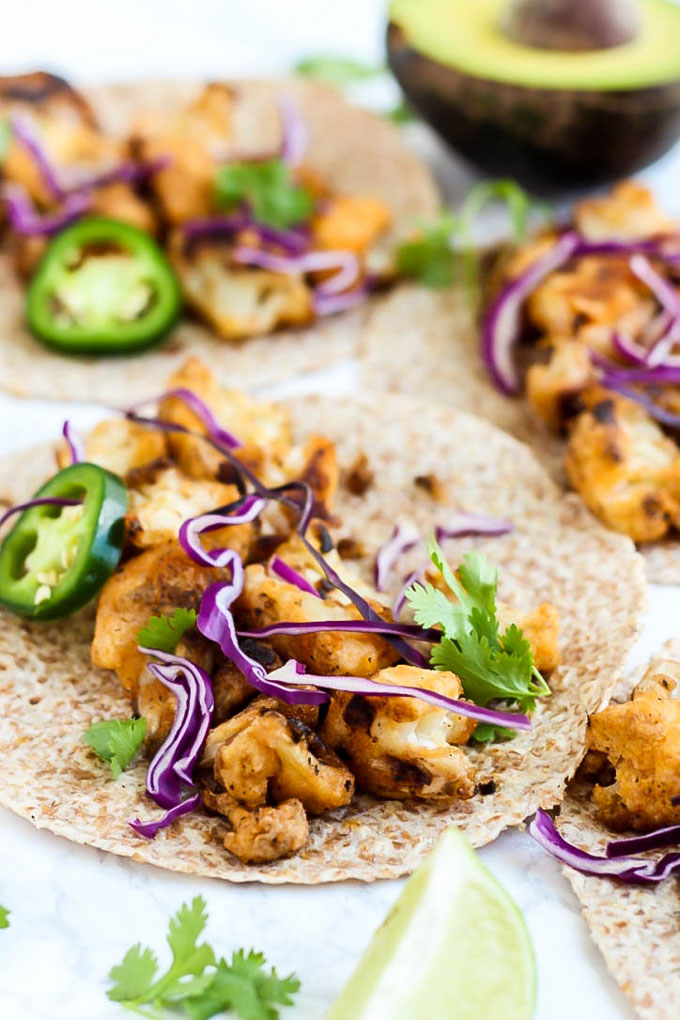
[{"x": 75, "y": 911}]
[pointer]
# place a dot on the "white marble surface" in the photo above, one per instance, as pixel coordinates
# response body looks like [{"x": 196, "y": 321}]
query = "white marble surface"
[{"x": 75, "y": 910}]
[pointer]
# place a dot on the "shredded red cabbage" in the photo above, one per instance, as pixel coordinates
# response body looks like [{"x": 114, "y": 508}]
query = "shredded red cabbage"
[
  {"x": 171, "y": 770},
  {"x": 286, "y": 573},
  {"x": 24, "y": 218},
  {"x": 294, "y": 134},
  {"x": 502, "y": 323},
  {"x": 191, "y": 530},
  {"x": 42, "y": 501},
  {"x": 216, "y": 622},
  {"x": 404, "y": 537},
  {"x": 622, "y": 868},
  {"x": 614, "y": 382},
  {"x": 409, "y": 630},
  {"x": 331, "y": 304},
  {"x": 76, "y": 446},
  {"x": 662, "y": 290},
  {"x": 26, "y": 133},
  {"x": 294, "y": 241},
  {"x": 463, "y": 524},
  {"x": 345, "y": 263},
  {"x": 200, "y": 409}
]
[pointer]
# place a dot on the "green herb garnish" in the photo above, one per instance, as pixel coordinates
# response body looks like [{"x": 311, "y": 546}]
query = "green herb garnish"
[
  {"x": 116, "y": 741},
  {"x": 338, "y": 71},
  {"x": 164, "y": 632},
  {"x": 4, "y": 917},
  {"x": 5, "y": 139},
  {"x": 269, "y": 189},
  {"x": 491, "y": 666},
  {"x": 430, "y": 257},
  {"x": 197, "y": 985}
]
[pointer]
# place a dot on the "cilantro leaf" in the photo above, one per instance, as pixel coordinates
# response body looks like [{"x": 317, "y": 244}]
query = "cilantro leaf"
[
  {"x": 487, "y": 733},
  {"x": 164, "y": 632},
  {"x": 491, "y": 666},
  {"x": 338, "y": 71},
  {"x": 269, "y": 189},
  {"x": 134, "y": 975},
  {"x": 429, "y": 257},
  {"x": 4, "y": 917},
  {"x": 246, "y": 988},
  {"x": 5, "y": 139},
  {"x": 401, "y": 113},
  {"x": 196, "y": 985},
  {"x": 116, "y": 741}
]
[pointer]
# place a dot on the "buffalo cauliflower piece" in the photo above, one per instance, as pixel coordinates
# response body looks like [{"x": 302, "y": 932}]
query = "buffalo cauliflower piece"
[
  {"x": 641, "y": 742},
  {"x": 628, "y": 212},
  {"x": 267, "y": 833},
  {"x": 557, "y": 378},
  {"x": 120, "y": 446},
  {"x": 404, "y": 747},
  {"x": 350, "y": 223},
  {"x": 624, "y": 467}
]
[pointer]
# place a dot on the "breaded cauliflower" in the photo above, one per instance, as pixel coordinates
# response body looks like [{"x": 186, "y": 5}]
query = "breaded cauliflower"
[
  {"x": 155, "y": 583},
  {"x": 350, "y": 223},
  {"x": 120, "y": 446},
  {"x": 641, "y": 741},
  {"x": 267, "y": 833},
  {"x": 624, "y": 467},
  {"x": 628, "y": 212},
  {"x": 158, "y": 506},
  {"x": 262, "y": 428},
  {"x": 404, "y": 747},
  {"x": 238, "y": 301},
  {"x": 557, "y": 378}
]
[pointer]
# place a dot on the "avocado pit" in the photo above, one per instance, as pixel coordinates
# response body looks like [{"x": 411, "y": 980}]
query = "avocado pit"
[{"x": 572, "y": 25}]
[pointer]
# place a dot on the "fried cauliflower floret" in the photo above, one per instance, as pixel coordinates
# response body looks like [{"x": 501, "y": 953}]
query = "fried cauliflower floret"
[
  {"x": 266, "y": 757},
  {"x": 624, "y": 467},
  {"x": 403, "y": 747},
  {"x": 589, "y": 299},
  {"x": 350, "y": 223},
  {"x": 194, "y": 140},
  {"x": 316, "y": 463},
  {"x": 119, "y": 202},
  {"x": 262, "y": 428},
  {"x": 238, "y": 301},
  {"x": 265, "y": 834},
  {"x": 552, "y": 383},
  {"x": 641, "y": 740},
  {"x": 158, "y": 507},
  {"x": 628, "y": 212},
  {"x": 119, "y": 446},
  {"x": 155, "y": 583},
  {"x": 266, "y": 600}
]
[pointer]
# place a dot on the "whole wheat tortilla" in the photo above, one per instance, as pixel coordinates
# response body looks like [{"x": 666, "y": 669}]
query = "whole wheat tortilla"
[
  {"x": 49, "y": 693},
  {"x": 352, "y": 149},
  {"x": 636, "y": 927},
  {"x": 425, "y": 343}
]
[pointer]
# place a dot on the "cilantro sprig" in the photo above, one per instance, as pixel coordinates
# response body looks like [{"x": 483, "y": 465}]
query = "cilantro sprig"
[
  {"x": 4, "y": 917},
  {"x": 269, "y": 189},
  {"x": 491, "y": 666},
  {"x": 196, "y": 984},
  {"x": 338, "y": 71},
  {"x": 164, "y": 632},
  {"x": 443, "y": 251},
  {"x": 116, "y": 741}
]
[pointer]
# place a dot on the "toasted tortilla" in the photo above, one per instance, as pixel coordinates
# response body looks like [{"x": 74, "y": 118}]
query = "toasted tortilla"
[
  {"x": 634, "y": 926},
  {"x": 557, "y": 552},
  {"x": 353, "y": 150},
  {"x": 425, "y": 343}
]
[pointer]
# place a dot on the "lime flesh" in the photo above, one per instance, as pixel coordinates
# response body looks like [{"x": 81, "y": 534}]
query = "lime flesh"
[{"x": 453, "y": 947}]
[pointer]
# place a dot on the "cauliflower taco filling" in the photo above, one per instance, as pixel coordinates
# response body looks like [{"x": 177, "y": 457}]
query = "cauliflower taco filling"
[
  {"x": 269, "y": 677},
  {"x": 593, "y": 312},
  {"x": 122, "y": 229}
]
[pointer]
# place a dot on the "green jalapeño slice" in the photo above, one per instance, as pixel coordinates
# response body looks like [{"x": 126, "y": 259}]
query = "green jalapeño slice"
[
  {"x": 56, "y": 558},
  {"x": 102, "y": 287}
]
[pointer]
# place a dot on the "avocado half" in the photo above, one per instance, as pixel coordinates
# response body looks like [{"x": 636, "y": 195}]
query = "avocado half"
[{"x": 549, "y": 117}]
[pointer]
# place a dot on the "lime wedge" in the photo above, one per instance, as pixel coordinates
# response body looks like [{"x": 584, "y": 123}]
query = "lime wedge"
[{"x": 453, "y": 947}]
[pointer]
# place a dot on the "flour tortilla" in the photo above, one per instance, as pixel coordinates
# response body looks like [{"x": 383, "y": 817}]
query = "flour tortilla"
[
  {"x": 425, "y": 343},
  {"x": 635, "y": 927},
  {"x": 353, "y": 150},
  {"x": 557, "y": 552}
]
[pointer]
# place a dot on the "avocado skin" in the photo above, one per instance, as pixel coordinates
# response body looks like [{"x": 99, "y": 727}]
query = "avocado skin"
[{"x": 546, "y": 138}]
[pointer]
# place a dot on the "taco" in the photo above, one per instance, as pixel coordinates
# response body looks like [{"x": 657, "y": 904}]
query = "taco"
[
  {"x": 319, "y": 700},
  {"x": 247, "y": 223},
  {"x": 574, "y": 353},
  {"x": 621, "y": 806}
]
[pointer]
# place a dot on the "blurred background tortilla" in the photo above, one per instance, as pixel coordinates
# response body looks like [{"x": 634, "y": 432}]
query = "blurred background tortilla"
[
  {"x": 49, "y": 692},
  {"x": 353, "y": 150},
  {"x": 425, "y": 343}
]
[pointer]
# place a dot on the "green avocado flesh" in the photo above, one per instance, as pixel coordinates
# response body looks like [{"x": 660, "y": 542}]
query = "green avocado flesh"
[{"x": 467, "y": 36}]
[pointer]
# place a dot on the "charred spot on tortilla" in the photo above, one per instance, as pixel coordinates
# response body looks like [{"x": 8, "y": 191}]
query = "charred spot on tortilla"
[
  {"x": 350, "y": 549},
  {"x": 359, "y": 477}
]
